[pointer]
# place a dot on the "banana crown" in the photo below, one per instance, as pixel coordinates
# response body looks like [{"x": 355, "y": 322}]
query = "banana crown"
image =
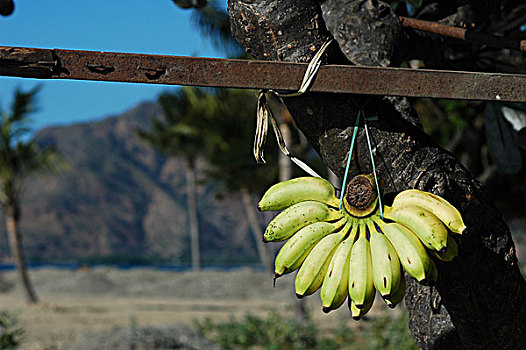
[
  {"x": 352, "y": 253},
  {"x": 361, "y": 196}
]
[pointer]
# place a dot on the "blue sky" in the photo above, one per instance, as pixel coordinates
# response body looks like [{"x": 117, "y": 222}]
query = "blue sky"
[{"x": 156, "y": 27}]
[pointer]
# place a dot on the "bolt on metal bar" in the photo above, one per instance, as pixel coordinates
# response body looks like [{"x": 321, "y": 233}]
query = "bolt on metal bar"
[{"x": 252, "y": 74}]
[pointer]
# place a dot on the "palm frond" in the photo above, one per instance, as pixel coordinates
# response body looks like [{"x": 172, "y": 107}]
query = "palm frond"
[
  {"x": 23, "y": 105},
  {"x": 20, "y": 156},
  {"x": 182, "y": 130},
  {"x": 35, "y": 159}
]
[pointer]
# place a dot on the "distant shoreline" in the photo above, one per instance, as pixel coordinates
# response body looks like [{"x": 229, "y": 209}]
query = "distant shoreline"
[{"x": 158, "y": 267}]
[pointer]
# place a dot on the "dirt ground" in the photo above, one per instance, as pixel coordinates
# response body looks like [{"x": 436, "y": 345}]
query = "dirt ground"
[{"x": 77, "y": 302}]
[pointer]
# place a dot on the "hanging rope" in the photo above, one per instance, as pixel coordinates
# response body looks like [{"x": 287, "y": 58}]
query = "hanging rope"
[
  {"x": 349, "y": 157},
  {"x": 373, "y": 165},
  {"x": 264, "y": 113},
  {"x": 310, "y": 72}
]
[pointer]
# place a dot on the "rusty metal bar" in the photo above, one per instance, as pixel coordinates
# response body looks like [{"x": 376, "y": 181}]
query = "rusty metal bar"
[
  {"x": 213, "y": 72},
  {"x": 464, "y": 34}
]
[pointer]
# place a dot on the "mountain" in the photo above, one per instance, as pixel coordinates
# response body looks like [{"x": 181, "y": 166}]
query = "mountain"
[{"x": 123, "y": 201}]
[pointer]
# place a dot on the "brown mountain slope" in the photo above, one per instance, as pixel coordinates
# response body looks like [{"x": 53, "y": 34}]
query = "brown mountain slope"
[{"x": 123, "y": 200}]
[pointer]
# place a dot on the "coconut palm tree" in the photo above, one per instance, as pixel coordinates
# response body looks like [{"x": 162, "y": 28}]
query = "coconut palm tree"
[
  {"x": 233, "y": 163},
  {"x": 179, "y": 133},
  {"x": 19, "y": 157}
]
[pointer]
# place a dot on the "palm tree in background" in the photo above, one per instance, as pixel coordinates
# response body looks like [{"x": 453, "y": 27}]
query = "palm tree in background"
[
  {"x": 213, "y": 22},
  {"x": 233, "y": 163},
  {"x": 19, "y": 158},
  {"x": 217, "y": 126},
  {"x": 179, "y": 133}
]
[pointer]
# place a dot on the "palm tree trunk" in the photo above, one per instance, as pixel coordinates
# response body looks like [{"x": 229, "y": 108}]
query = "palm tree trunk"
[
  {"x": 285, "y": 173},
  {"x": 192, "y": 214},
  {"x": 255, "y": 227},
  {"x": 284, "y": 120},
  {"x": 14, "y": 235},
  {"x": 285, "y": 165}
]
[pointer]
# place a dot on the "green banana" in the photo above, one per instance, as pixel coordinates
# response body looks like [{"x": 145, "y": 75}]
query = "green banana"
[
  {"x": 311, "y": 273},
  {"x": 361, "y": 285},
  {"x": 423, "y": 223},
  {"x": 334, "y": 289},
  {"x": 450, "y": 253},
  {"x": 397, "y": 296},
  {"x": 297, "y": 216},
  {"x": 352, "y": 252},
  {"x": 446, "y": 212},
  {"x": 433, "y": 276},
  {"x": 413, "y": 256},
  {"x": 286, "y": 193},
  {"x": 386, "y": 265},
  {"x": 295, "y": 250},
  {"x": 358, "y": 312}
]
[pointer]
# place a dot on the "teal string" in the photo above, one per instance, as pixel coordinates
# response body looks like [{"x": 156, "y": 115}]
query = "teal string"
[
  {"x": 349, "y": 158},
  {"x": 374, "y": 167}
]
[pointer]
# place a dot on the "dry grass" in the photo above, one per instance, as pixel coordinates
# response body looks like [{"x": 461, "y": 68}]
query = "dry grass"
[{"x": 76, "y": 302}]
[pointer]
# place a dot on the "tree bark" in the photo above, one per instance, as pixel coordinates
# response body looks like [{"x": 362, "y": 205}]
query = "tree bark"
[
  {"x": 479, "y": 301},
  {"x": 193, "y": 222},
  {"x": 12, "y": 214},
  {"x": 255, "y": 228}
]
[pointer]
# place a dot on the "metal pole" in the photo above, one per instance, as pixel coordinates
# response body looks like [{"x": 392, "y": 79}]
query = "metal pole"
[{"x": 252, "y": 74}]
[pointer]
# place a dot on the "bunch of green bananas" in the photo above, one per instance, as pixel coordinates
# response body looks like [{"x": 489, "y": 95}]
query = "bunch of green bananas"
[{"x": 351, "y": 253}]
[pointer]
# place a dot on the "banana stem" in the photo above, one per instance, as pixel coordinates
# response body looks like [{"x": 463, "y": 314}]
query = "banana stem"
[
  {"x": 371, "y": 227},
  {"x": 347, "y": 228},
  {"x": 363, "y": 231},
  {"x": 380, "y": 223}
]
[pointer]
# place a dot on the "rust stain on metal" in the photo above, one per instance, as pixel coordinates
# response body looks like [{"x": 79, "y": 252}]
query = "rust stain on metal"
[{"x": 251, "y": 74}]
